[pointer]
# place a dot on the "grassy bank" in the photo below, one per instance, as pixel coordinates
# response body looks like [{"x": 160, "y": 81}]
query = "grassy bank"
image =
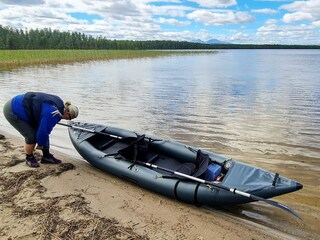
[{"x": 16, "y": 58}]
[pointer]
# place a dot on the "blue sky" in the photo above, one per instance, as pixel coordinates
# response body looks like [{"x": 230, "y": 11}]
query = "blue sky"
[{"x": 235, "y": 21}]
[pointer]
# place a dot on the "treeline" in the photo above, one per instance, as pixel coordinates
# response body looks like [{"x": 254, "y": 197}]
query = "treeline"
[
  {"x": 11, "y": 39},
  {"x": 54, "y": 39}
]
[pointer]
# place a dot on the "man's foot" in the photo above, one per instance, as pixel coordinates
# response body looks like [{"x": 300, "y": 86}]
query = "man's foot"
[
  {"x": 50, "y": 160},
  {"x": 31, "y": 161}
]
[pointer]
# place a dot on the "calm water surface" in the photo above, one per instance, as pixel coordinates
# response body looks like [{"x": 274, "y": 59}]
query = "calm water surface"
[
  {"x": 260, "y": 106},
  {"x": 253, "y": 101}
]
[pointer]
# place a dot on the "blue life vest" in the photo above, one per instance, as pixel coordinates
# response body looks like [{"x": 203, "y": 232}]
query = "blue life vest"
[{"x": 32, "y": 103}]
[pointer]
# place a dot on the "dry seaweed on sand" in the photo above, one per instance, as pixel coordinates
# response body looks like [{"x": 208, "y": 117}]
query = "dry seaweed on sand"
[
  {"x": 2, "y": 137},
  {"x": 60, "y": 217}
]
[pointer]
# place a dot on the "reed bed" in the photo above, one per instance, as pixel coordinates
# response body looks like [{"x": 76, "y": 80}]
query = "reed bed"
[{"x": 17, "y": 58}]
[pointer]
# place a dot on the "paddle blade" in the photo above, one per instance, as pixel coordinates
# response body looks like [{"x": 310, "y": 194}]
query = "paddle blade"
[{"x": 276, "y": 204}]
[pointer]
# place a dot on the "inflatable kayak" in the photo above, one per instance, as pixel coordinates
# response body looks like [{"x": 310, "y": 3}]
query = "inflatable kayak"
[{"x": 152, "y": 163}]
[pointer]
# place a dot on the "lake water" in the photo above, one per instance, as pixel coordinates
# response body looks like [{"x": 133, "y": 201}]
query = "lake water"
[
  {"x": 258, "y": 106},
  {"x": 247, "y": 101}
]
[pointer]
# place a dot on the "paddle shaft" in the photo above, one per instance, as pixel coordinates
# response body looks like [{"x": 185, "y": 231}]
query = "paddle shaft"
[
  {"x": 233, "y": 190},
  {"x": 101, "y": 133},
  {"x": 198, "y": 179},
  {"x": 90, "y": 130}
]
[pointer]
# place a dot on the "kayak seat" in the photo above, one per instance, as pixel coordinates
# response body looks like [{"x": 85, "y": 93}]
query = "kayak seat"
[
  {"x": 196, "y": 169},
  {"x": 139, "y": 150},
  {"x": 106, "y": 144},
  {"x": 202, "y": 163},
  {"x": 187, "y": 168}
]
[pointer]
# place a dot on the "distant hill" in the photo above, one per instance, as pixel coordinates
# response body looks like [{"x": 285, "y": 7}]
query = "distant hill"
[{"x": 211, "y": 41}]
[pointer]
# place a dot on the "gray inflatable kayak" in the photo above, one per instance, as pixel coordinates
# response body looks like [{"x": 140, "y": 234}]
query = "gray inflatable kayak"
[{"x": 120, "y": 152}]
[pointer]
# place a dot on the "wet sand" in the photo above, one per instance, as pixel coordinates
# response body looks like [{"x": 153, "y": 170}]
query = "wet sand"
[{"x": 76, "y": 201}]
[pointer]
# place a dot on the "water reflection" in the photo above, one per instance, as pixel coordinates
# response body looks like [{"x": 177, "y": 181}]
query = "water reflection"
[
  {"x": 250, "y": 100},
  {"x": 261, "y": 105}
]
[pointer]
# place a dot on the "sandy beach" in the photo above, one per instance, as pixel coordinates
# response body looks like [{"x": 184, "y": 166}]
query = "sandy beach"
[{"x": 76, "y": 201}]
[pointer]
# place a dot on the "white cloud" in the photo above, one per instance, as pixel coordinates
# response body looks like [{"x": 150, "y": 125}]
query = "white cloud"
[
  {"x": 173, "y": 21},
  {"x": 316, "y": 24},
  {"x": 118, "y": 9},
  {"x": 297, "y": 16},
  {"x": 273, "y": 0},
  {"x": 239, "y": 37},
  {"x": 121, "y": 16},
  {"x": 23, "y": 2},
  {"x": 264, "y": 11},
  {"x": 172, "y": 11},
  {"x": 289, "y": 34},
  {"x": 217, "y": 18},
  {"x": 302, "y": 11},
  {"x": 163, "y": 1},
  {"x": 305, "y": 6},
  {"x": 271, "y": 21},
  {"x": 143, "y": 19},
  {"x": 36, "y": 14},
  {"x": 215, "y": 3}
]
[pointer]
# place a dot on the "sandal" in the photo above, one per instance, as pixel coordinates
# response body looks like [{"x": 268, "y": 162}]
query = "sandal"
[
  {"x": 50, "y": 160},
  {"x": 32, "y": 162}
]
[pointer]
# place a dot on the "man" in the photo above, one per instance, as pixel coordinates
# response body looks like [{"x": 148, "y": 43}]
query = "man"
[{"x": 34, "y": 114}]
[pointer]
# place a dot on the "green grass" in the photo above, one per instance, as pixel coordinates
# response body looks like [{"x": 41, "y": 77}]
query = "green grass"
[{"x": 17, "y": 58}]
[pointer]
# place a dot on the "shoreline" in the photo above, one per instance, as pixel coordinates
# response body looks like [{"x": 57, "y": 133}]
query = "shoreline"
[
  {"x": 11, "y": 59},
  {"x": 76, "y": 200}
]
